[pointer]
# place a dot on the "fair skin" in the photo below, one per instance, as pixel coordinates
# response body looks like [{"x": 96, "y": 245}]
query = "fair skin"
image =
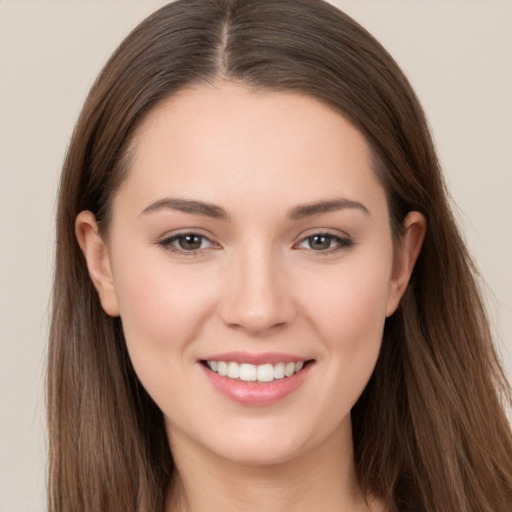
[{"x": 218, "y": 252}]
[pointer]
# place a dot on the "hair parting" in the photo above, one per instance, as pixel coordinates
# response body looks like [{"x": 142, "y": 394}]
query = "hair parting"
[{"x": 430, "y": 432}]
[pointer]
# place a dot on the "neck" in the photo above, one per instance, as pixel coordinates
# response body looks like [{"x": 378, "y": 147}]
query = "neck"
[{"x": 322, "y": 479}]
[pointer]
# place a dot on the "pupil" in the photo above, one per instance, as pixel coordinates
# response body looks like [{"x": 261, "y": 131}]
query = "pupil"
[
  {"x": 319, "y": 242},
  {"x": 190, "y": 242}
]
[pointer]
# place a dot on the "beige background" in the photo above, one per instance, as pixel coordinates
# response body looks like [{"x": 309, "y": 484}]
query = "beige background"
[{"x": 458, "y": 55}]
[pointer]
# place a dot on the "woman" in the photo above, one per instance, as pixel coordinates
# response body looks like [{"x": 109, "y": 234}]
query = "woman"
[{"x": 261, "y": 299}]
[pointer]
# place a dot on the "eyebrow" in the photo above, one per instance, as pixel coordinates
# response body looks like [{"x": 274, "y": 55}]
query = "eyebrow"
[
  {"x": 210, "y": 210},
  {"x": 307, "y": 210},
  {"x": 188, "y": 206}
]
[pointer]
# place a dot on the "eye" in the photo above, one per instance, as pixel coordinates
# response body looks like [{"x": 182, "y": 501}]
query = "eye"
[
  {"x": 187, "y": 243},
  {"x": 325, "y": 242}
]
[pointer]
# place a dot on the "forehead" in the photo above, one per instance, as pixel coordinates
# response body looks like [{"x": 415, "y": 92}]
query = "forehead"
[{"x": 225, "y": 140}]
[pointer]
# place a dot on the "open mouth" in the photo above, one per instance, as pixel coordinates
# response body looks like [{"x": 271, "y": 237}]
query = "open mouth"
[{"x": 246, "y": 372}]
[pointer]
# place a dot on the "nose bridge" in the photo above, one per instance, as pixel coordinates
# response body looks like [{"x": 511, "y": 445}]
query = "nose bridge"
[{"x": 257, "y": 298}]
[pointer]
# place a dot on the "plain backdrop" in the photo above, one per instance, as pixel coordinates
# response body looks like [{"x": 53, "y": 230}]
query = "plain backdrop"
[{"x": 457, "y": 54}]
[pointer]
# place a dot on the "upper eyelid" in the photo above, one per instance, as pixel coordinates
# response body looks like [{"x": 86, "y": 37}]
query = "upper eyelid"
[
  {"x": 183, "y": 232},
  {"x": 335, "y": 233}
]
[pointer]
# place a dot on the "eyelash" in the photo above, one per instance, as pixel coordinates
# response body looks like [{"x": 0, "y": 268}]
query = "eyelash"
[
  {"x": 341, "y": 243},
  {"x": 170, "y": 243}
]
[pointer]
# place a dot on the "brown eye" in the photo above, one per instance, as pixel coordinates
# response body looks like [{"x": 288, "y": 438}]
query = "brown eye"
[
  {"x": 187, "y": 243},
  {"x": 190, "y": 242}
]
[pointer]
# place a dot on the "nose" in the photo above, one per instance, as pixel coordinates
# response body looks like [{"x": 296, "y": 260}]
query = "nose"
[{"x": 257, "y": 299}]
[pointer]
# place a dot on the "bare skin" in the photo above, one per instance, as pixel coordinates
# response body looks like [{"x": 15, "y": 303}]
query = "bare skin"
[
  {"x": 253, "y": 224},
  {"x": 271, "y": 488}
]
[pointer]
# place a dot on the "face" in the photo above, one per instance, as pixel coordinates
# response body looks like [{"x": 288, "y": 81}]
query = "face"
[{"x": 251, "y": 261}]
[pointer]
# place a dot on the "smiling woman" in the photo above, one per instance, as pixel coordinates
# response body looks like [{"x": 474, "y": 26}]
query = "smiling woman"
[
  {"x": 252, "y": 229},
  {"x": 289, "y": 293}
]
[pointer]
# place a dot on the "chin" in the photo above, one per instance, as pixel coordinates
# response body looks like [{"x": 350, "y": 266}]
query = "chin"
[
  {"x": 269, "y": 455},
  {"x": 261, "y": 445}
]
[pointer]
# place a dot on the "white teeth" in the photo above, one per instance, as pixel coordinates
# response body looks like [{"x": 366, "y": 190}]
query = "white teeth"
[
  {"x": 279, "y": 371},
  {"x": 222, "y": 368},
  {"x": 247, "y": 372},
  {"x": 289, "y": 369},
  {"x": 265, "y": 373},
  {"x": 250, "y": 372},
  {"x": 233, "y": 371}
]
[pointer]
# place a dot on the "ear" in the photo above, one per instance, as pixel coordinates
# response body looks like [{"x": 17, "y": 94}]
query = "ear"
[
  {"x": 406, "y": 253},
  {"x": 97, "y": 259}
]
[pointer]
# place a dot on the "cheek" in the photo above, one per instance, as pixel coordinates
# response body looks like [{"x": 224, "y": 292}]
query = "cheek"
[
  {"x": 350, "y": 300},
  {"x": 161, "y": 306},
  {"x": 348, "y": 310}
]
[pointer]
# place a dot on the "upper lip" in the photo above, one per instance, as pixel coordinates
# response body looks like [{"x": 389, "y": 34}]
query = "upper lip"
[{"x": 256, "y": 358}]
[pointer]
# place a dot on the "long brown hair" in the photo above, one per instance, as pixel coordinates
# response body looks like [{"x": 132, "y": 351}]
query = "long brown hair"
[{"x": 429, "y": 429}]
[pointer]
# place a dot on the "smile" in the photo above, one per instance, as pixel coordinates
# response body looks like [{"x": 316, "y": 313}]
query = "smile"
[
  {"x": 256, "y": 379},
  {"x": 254, "y": 373}
]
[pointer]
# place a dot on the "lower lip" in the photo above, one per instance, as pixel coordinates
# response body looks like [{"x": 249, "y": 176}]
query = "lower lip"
[{"x": 256, "y": 393}]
